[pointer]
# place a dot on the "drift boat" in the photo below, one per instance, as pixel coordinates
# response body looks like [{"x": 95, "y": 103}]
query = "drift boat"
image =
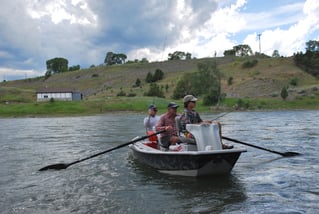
[{"x": 207, "y": 157}]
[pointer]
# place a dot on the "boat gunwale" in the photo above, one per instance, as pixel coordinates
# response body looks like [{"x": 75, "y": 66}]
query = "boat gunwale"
[{"x": 141, "y": 147}]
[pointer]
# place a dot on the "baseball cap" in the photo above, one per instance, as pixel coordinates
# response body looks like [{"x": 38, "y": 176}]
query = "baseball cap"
[
  {"x": 189, "y": 98},
  {"x": 152, "y": 106},
  {"x": 172, "y": 105}
]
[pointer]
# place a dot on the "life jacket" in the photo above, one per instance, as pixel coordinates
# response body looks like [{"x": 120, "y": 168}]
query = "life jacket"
[{"x": 151, "y": 138}]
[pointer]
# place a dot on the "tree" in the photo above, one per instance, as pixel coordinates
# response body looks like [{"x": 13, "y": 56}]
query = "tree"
[
  {"x": 155, "y": 91},
  {"x": 210, "y": 78},
  {"x": 158, "y": 75},
  {"x": 144, "y": 60},
  {"x": 309, "y": 61},
  {"x": 243, "y": 50},
  {"x": 56, "y": 65},
  {"x": 188, "y": 56},
  {"x": 137, "y": 83},
  {"x": 230, "y": 52},
  {"x": 284, "y": 93},
  {"x": 74, "y": 68},
  {"x": 275, "y": 54},
  {"x": 179, "y": 55},
  {"x": 149, "y": 77},
  {"x": 114, "y": 58},
  {"x": 186, "y": 85},
  {"x": 109, "y": 58},
  {"x": 312, "y": 46},
  {"x": 207, "y": 82}
]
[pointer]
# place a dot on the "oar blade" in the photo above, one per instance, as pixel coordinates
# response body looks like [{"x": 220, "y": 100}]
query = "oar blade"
[
  {"x": 290, "y": 154},
  {"x": 57, "y": 166},
  {"x": 286, "y": 154}
]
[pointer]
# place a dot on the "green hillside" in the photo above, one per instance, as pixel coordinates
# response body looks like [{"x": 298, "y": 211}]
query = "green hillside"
[{"x": 259, "y": 85}]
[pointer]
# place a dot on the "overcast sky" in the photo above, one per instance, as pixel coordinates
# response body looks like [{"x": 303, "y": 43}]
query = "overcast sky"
[{"x": 83, "y": 31}]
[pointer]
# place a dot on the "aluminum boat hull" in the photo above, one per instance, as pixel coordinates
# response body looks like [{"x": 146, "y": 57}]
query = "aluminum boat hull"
[{"x": 187, "y": 163}]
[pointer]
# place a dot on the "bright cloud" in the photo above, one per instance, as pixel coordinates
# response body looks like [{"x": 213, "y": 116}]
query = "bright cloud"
[
  {"x": 17, "y": 74},
  {"x": 290, "y": 40},
  {"x": 76, "y": 12}
]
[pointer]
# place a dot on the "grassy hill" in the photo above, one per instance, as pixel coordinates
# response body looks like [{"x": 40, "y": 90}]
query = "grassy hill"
[{"x": 100, "y": 85}]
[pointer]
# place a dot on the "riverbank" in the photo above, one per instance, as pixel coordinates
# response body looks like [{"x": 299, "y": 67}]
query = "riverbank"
[{"x": 140, "y": 104}]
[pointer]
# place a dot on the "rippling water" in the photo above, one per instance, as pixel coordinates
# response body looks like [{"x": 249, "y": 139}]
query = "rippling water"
[{"x": 261, "y": 182}]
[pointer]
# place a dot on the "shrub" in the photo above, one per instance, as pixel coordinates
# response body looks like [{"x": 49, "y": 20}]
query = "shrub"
[
  {"x": 294, "y": 81},
  {"x": 210, "y": 99},
  {"x": 250, "y": 63},
  {"x": 121, "y": 93},
  {"x": 230, "y": 81},
  {"x": 137, "y": 83},
  {"x": 154, "y": 91},
  {"x": 242, "y": 104},
  {"x": 284, "y": 93}
]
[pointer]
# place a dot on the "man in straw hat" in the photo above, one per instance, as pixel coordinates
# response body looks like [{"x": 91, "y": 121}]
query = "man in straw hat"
[{"x": 190, "y": 116}]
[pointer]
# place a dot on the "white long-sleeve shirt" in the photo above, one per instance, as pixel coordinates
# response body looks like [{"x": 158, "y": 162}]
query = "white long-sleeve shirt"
[{"x": 150, "y": 122}]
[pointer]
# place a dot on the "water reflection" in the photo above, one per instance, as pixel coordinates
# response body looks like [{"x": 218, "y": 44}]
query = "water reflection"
[{"x": 197, "y": 195}]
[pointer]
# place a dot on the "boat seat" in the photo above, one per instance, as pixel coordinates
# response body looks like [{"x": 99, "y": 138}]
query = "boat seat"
[{"x": 206, "y": 136}]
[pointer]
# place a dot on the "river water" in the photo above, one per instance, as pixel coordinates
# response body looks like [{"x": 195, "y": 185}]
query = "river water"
[{"x": 261, "y": 182}]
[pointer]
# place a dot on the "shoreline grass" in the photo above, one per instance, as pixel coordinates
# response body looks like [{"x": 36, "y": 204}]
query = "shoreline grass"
[{"x": 140, "y": 104}]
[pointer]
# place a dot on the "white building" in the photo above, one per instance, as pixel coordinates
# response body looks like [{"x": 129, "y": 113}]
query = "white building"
[{"x": 58, "y": 94}]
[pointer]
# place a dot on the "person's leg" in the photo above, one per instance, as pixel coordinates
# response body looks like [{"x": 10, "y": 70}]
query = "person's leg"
[
  {"x": 219, "y": 129},
  {"x": 174, "y": 140},
  {"x": 165, "y": 142},
  {"x": 187, "y": 140},
  {"x": 220, "y": 135}
]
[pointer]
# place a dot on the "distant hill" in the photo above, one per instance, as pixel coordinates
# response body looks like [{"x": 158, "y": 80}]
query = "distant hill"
[{"x": 265, "y": 79}]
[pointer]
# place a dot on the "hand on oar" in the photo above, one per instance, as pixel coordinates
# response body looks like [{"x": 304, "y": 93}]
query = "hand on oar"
[
  {"x": 285, "y": 154},
  {"x": 66, "y": 165}
]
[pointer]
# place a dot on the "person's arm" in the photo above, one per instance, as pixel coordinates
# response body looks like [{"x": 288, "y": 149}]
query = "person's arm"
[
  {"x": 161, "y": 125},
  {"x": 182, "y": 123}
]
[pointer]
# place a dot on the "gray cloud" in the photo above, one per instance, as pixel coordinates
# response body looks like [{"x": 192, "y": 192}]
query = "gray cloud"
[{"x": 33, "y": 31}]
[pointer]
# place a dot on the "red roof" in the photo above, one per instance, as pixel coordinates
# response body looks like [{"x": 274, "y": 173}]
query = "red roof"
[{"x": 55, "y": 90}]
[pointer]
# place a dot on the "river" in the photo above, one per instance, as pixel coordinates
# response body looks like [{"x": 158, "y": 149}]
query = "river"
[{"x": 260, "y": 182}]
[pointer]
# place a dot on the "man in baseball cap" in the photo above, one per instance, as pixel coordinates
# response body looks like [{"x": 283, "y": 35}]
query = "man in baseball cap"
[
  {"x": 151, "y": 120},
  {"x": 167, "y": 122}
]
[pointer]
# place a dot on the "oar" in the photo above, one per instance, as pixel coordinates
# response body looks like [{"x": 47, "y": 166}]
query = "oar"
[
  {"x": 59, "y": 166},
  {"x": 286, "y": 154}
]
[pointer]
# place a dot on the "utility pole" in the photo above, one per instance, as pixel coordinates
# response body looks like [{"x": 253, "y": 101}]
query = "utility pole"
[{"x": 259, "y": 42}]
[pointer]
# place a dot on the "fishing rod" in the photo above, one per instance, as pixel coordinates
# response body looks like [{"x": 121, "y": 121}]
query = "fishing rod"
[{"x": 222, "y": 115}]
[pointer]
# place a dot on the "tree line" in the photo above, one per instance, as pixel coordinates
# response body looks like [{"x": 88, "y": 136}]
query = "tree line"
[
  {"x": 309, "y": 61},
  {"x": 59, "y": 64}
]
